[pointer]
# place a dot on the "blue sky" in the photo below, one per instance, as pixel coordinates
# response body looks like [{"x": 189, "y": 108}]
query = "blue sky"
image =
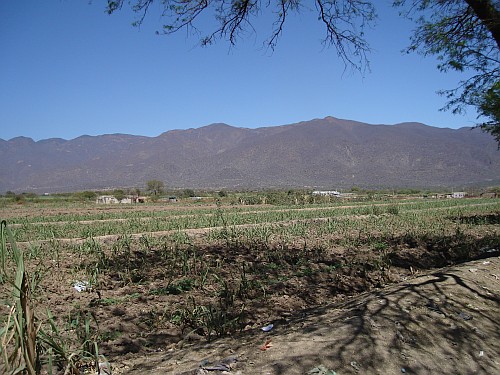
[{"x": 68, "y": 69}]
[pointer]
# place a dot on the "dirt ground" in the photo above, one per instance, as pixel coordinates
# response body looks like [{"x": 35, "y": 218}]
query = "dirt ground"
[
  {"x": 442, "y": 322},
  {"x": 415, "y": 303}
]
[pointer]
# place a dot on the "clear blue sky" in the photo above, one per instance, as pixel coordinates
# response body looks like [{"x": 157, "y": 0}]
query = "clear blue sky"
[{"x": 68, "y": 69}]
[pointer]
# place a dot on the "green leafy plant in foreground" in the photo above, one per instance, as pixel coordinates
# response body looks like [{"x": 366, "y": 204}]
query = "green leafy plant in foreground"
[{"x": 29, "y": 344}]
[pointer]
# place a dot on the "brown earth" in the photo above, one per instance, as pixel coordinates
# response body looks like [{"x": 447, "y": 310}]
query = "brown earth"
[
  {"x": 379, "y": 305},
  {"x": 442, "y": 322}
]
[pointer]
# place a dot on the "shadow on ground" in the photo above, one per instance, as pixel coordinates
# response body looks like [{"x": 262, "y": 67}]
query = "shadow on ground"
[{"x": 445, "y": 322}]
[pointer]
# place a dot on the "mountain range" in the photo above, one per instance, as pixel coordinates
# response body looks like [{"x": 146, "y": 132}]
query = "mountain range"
[{"x": 321, "y": 153}]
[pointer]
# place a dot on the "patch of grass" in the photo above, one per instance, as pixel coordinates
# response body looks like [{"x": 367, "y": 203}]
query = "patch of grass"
[
  {"x": 181, "y": 286},
  {"x": 109, "y": 335}
]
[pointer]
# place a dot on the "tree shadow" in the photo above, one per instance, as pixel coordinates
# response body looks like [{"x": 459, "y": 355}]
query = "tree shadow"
[
  {"x": 419, "y": 326},
  {"x": 446, "y": 322}
]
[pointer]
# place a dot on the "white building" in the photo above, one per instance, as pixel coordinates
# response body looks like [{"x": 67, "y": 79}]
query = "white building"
[
  {"x": 326, "y": 193},
  {"x": 106, "y": 199}
]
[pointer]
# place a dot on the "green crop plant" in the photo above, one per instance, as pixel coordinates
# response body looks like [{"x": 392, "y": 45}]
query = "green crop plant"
[
  {"x": 208, "y": 320},
  {"x": 179, "y": 287},
  {"x": 29, "y": 344},
  {"x": 137, "y": 221},
  {"x": 93, "y": 248},
  {"x": 122, "y": 248},
  {"x": 18, "y": 332},
  {"x": 147, "y": 242},
  {"x": 393, "y": 209}
]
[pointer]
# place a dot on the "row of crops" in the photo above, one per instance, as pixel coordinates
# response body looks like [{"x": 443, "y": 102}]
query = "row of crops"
[
  {"x": 296, "y": 219},
  {"x": 163, "y": 269}
]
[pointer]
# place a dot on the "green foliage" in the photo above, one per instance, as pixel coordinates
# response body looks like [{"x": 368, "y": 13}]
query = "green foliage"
[
  {"x": 489, "y": 106},
  {"x": 408, "y": 191},
  {"x": 155, "y": 187},
  {"x": 393, "y": 209},
  {"x": 19, "y": 198},
  {"x": 188, "y": 193},
  {"x": 181, "y": 286},
  {"x": 289, "y": 197},
  {"x": 119, "y": 194},
  {"x": 135, "y": 191},
  {"x": 28, "y": 344},
  {"x": 464, "y": 35},
  {"x": 86, "y": 195}
]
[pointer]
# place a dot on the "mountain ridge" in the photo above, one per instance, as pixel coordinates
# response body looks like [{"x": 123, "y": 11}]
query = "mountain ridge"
[{"x": 321, "y": 153}]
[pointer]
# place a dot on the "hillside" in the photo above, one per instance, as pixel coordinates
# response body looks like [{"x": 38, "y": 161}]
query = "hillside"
[{"x": 321, "y": 153}]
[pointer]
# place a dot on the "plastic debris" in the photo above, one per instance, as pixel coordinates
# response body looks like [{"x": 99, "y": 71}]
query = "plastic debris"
[
  {"x": 403, "y": 370},
  {"x": 104, "y": 368},
  {"x": 487, "y": 250},
  {"x": 81, "y": 286},
  {"x": 230, "y": 359},
  {"x": 321, "y": 370},
  {"x": 464, "y": 316},
  {"x": 481, "y": 353},
  {"x": 217, "y": 367},
  {"x": 204, "y": 363},
  {"x": 355, "y": 365},
  {"x": 223, "y": 365},
  {"x": 267, "y": 328},
  {"x": 431, "y": 305},
  {"x": 266, "y": 345}
]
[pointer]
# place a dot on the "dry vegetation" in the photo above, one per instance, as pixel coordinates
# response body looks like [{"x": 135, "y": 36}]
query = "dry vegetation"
[{"x": 160, "y": 276}]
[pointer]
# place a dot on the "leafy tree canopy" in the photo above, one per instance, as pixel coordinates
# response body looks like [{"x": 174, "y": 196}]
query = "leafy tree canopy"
[
  {"x": 463, "y": 34},
  {"x": 189, "y": 193},
  {"x": 155, "y": 187},
  {"x": 489, "y": 106},
  {"x": 119, "y": 194}
]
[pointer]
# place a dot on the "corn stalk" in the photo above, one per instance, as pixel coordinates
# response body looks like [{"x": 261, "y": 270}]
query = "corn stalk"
[
  {"x": 24, "y": 345},
  {"x": 18, "y": 333}
]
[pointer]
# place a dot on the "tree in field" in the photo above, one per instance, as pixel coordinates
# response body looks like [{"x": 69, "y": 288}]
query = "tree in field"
[
  {"x": 463, "y": 34},
  {"x": 189, "y": 193},
  {"x": 135, "y": 191},
  {"x": 119, "y": 194},
  {"x": 155, "y": 187}
]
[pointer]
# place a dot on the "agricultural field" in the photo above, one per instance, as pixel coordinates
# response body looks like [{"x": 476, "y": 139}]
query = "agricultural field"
[{"x": 139, "y": 279}]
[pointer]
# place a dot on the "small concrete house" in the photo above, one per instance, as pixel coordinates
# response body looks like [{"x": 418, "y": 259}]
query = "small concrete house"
[
  {"x": 458, "y": 194},
  {"x": 106, "y": 199},
  {"x": 326, "y": 193}
]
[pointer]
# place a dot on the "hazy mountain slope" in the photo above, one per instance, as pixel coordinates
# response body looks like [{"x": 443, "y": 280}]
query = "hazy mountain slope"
[{"x": 323, "y": 153}]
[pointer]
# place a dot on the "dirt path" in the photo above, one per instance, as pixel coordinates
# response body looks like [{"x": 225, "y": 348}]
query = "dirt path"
[{"x": 444, "y": 322}]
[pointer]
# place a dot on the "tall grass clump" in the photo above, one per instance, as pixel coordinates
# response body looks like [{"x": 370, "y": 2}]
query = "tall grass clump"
[
  {"x": 18, "y": 331},
  {"x": 28, "y": 344}
]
